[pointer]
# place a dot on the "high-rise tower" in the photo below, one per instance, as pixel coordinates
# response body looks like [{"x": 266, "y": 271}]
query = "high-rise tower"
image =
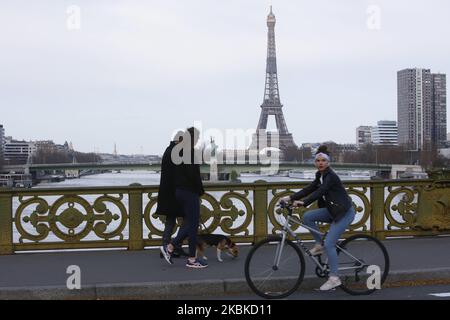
[
  {"x": 422, "y": 104},
  {"x": 2, "y": 142},
  {"x": 439, "y": 102},
  {"x": 271, "y": 105}
]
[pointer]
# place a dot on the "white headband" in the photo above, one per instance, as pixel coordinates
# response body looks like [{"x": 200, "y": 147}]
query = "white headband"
[{"x": 323, "y": 155}]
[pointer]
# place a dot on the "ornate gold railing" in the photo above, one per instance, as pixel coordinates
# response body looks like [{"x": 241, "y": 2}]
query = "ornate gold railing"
[{"x": 115, "y": 217}]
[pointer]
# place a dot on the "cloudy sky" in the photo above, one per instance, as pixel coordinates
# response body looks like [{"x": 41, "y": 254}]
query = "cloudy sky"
[{"x": 132, "y": 72}]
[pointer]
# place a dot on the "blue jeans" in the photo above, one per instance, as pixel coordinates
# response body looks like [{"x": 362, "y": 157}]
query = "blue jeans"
[
  {"x": 190, "y": 203},
  {"x": 337, "y": 228}
]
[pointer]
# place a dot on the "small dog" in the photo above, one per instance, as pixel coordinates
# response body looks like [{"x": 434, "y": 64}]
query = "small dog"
[{"x": 219, "y": 241}]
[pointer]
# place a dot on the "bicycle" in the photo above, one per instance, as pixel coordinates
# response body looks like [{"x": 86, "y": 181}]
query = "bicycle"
[{"x": 359, "y": 258}]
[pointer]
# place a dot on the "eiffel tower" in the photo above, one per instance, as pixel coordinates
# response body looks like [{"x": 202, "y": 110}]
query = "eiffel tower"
[{"x": 272, "y": 104}]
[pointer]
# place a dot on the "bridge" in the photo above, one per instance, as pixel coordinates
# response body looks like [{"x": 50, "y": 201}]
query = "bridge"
[
  {"x": 403, "y": 214},
  {"x": 119, "y": 274},
  {"x": 105, "y": 217},
  {"x": 386, "y": 170}
]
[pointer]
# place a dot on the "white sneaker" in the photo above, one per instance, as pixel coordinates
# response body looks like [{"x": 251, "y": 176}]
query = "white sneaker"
[
  {"x": 332, "y": 283},
  {"x": 316, "y": 250}
]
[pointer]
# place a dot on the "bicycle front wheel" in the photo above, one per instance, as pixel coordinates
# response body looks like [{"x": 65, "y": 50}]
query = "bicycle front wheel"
[
  {"x": 363, "y": 264},
  {"x": 272, "y": 279}
]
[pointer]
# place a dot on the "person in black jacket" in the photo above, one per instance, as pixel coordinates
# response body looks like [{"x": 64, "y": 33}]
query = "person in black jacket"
[
  {"x": 188, "y": 189},
  {"x": 335, "y": 208},
  {"x": 167, "y": 204}
]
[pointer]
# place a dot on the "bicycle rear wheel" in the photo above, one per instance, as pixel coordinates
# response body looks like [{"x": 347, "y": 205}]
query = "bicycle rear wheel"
[
  {"x": 269, "y": 280},
  {"x": 359, "y": 278}
]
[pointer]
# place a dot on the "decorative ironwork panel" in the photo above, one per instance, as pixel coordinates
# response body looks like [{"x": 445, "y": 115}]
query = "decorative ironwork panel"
[
  {"x": 362, "y": 207},
  {"x": 149, "y": 222},
  {"x": 70, "y": 218},
  {"x": 216, "y": 215},
  {"x": 403, "y": 200},
  {"x": 361, "y": 204},
  {"x": 277, "y": 217},
  {"x": 224, "y": 213}
]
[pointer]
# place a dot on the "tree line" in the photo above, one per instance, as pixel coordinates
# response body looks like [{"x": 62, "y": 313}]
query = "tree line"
[
  {"x": 376, "y": 154},
  {"x": 49, "y": 156}
]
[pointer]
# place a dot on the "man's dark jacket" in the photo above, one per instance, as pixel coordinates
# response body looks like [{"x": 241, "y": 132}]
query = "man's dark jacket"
[
  {"x": 167, "y": 203},
  {"x": 187, "y": 176},
  {"x": 336, "y": 199}
]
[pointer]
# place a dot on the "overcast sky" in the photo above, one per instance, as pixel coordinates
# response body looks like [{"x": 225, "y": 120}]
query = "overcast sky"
[{"x": 134, "y": 71}]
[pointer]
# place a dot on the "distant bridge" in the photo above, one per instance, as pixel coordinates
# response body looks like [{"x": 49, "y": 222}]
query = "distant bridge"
[{"x": 205, "y": 168}]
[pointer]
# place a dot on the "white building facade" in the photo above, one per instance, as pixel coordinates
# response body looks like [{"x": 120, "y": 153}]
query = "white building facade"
[
  {"x": 363, "y": 135},
  {"x": 18, "y": 152},
  {"x": 385, "y": 133}
]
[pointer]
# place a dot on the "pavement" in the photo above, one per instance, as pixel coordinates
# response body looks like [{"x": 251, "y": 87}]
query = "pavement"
[
  {"x": 121, "y": 274},
  {"x": 416, "y": 292}
]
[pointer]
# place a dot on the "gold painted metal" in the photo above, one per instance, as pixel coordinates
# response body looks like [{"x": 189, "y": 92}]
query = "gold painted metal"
[
  {"x": 260, "y": 224},
  {"x": 136, "y": 241},
  {"x": 71, "y": 218},
  {"x": 77, "y": 218},
  {"x": 377, "y": 212},
  {"x": 6, "y": 230},
  {"x": 433, "y": 212}
]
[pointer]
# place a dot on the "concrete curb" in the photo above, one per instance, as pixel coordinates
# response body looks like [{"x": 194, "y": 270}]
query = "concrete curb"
[
  {"x": 203, "y": 288},
  {"x": 160, "y": 290},
  {"x": 47, "y": 293},
  {"x": 418, "y": 275}
]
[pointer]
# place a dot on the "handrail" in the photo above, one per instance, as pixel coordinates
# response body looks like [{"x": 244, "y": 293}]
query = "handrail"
[{"x": 123, "y": 216}]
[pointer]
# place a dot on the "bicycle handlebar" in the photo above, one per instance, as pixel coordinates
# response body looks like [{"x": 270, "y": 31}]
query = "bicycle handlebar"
[{"x": 283, "y": 204}]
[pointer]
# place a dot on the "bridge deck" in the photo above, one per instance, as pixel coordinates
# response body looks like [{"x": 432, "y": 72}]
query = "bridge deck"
[{"x": 145, "y": 267}]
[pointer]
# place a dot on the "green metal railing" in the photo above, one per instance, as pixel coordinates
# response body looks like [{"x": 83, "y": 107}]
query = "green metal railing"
[{"x": 123, "y": 217}]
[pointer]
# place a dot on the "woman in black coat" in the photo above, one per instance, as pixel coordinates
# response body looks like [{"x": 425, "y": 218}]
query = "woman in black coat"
[{"x": 167, "y": 203}]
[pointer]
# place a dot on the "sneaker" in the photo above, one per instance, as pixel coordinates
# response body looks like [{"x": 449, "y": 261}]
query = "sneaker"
[
  {"x": 166, "y": 254},
  {"x": 177, "y": 252},
  {"x": 332, "y": 283},
  {"x": 316, "y": 250},
  {"x": 198, "y": 263},
  {"x": 173, "y": 255}
]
